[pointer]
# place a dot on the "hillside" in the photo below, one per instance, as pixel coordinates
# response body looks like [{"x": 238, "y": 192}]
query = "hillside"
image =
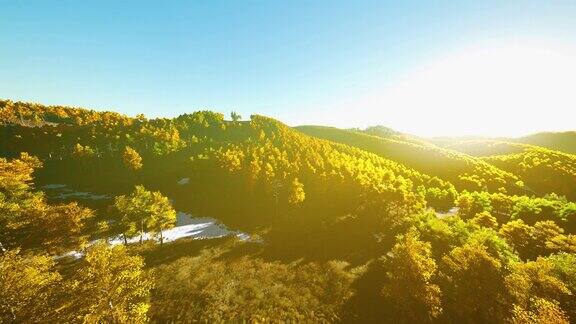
[
  {"x": 559, "y": 141},
  {"x": 464, "y": 171},
  {"x": 542, "y": 170},
  {"x": 485, "y": 148}
]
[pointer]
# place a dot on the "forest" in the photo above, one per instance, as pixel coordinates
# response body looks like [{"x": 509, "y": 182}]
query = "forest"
[{"x": 106, "y": 218}]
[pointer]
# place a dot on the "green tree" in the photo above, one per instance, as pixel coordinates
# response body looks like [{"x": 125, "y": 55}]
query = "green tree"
[
  {"x": 564, "y": 268},
  {"x": 235, "y": 116},
  {"x": 471, "y": 203}
]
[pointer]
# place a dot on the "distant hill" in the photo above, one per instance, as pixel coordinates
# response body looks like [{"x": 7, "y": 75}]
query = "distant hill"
[
  {"x": 483, "y": 146},
  {"x": 542, "y": 170},
  {"x": 389, "y": 133},
  {"x": 559, "y": 141},
  {"x": 464, "y": 171}
]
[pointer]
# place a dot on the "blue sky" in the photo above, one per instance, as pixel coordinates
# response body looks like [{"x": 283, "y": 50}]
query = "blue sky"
[{"x": 304, "y": 62}]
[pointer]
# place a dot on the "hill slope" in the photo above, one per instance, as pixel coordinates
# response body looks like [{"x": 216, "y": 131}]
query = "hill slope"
[
  {"x": 465, "y": 172},
  {"x": 559, "y": 141}
]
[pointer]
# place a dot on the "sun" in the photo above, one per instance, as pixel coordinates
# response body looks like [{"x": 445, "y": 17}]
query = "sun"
[{"x": 504, "y": 89}]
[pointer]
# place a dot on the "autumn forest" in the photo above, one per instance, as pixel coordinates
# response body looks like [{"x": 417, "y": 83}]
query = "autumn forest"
[{"x": 106, "y": 218}]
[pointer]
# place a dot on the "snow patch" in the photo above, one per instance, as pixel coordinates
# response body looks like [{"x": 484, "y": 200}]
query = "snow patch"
[{"x": 184, "y": 181}]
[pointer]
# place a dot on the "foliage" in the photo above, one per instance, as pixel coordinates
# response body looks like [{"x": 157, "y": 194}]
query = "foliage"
[
  {"x": 27, "y": 220},
  {"x": 111, "y": 286},
  {"x": 542, "y": 170},
  {"x": 205, "y": 289},
  {"x": 464, "y": 171},
  {"x": 132, "y": 159},
  {"x": 462, "y": 272},
  {"x": 410, "y": 269},
  {"x": 500, "y": 249},
  {"x": 27, "y": 285},
  {"x": 144, "y": 210}
]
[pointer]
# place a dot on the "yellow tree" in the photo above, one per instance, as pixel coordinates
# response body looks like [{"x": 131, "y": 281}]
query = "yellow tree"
[
  {"x": 27, "y": 286},
  {"x": 111, "y": 286},
  {"x": 144, "y": 209},
  {"x": 60, "y": 228},
  {"x": 465, "y": 269},
  {"x": 296, "y": 194},
  {"x": 535, "y": 284},
  {"x": 485, "y": 219},
  {"x": 163, "y": 215},
  {"x": 519, "y": 235},
  {"x": 541, "y": 311},
  {"x": 410, "y": 269},
  {"x": 16, "y": 197},
  {"x": 132, "y": 159}
]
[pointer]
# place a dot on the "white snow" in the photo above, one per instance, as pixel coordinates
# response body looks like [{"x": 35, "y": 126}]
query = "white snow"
[
  {"x": 60, "y": 191},
  {"x": 452, "y": 211},
  {"x": 186, "y": 224},
  {"x": 80, "y": 195},
  {"x": 54, "y": 186},
  {"x": 184, "y": 181}
]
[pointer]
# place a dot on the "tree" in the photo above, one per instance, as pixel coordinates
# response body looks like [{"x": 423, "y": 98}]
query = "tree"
[
  {"x": 471, "y": 203},
  {"x": 544, "y": 235},
  {"x": 568, "y": 213},
  {"x": 473, "y": 285},
  {"x": 296, "y": 194},
  {"x": 485, "y": 219},
  {"x": 409, "y": 273},
  {"x": 27, "y": 285},
  {"x": 80, "y": 151},
  {"x": 60, "y": 228},
  {"x": 540, "y": 311},
  {"x": 208, "y": 289},
  {"x": 235, "y": 116},
  {"x": 564, "y": 268},
  {"x": 16, "y": 197},
  {"x": 519, "y": 235},
  {"x": 26, "y": 220},
  {"x": 111, "y": 286},
  {"x": 535, "y": 279},
  {"x": 132, "y": 159},
  {"x": 163, "y": 215},
  {"x": 144, "y": 209},
  {"x": 83, "y": 154}
]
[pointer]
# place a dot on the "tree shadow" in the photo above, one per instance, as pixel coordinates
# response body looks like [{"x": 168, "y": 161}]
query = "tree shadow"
[{"x": 367, "y": 305}]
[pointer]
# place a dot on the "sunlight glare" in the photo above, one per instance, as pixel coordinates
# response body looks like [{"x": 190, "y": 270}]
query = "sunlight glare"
[{"x": 503, "y": 90}]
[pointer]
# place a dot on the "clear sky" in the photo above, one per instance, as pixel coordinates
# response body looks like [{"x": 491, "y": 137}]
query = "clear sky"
[{"x": 426, "y": 67}]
